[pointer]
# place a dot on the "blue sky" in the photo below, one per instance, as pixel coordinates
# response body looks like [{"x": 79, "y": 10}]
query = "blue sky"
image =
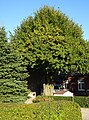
[{"x": 12, "y": 12}]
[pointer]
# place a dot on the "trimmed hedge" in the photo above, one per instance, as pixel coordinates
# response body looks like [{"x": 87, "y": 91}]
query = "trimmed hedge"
[
  {"x": 83, "y": 101},
  {"x": 57, "y": 98},
  {"x": 63, "y": 110}
]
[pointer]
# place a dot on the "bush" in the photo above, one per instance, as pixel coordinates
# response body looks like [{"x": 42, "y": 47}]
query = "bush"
[
  {"x": 63, "y": 110},
  {"x": 82, "y": 101},
  {"x": 57, "y": 98}
]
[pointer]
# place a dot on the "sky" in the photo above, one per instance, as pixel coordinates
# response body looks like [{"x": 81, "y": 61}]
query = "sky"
[{"x": 12, "y": 12}]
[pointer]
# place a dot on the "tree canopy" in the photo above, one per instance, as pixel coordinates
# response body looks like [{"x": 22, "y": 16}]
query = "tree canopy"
[{"x": 50, "y": 41}]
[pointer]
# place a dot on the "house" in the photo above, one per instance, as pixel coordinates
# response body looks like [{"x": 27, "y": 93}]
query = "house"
[
  {"x": 78, "y": 84},
  {"x": 63, "y": 92}
]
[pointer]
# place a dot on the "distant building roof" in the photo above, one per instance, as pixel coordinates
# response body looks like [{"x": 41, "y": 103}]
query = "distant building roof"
[{"x": 63, "y": 92}]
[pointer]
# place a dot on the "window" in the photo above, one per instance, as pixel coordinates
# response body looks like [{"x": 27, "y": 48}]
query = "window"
[
  {"x": 81, "y": 85},
  {"x": 66, "y": 84},
  {"x": 56, "y": 86}
]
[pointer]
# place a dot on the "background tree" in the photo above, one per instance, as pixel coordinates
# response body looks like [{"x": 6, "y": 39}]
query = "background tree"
[
  {"x": 51, "y": 42},
  {"x": 13, "y": 73}
]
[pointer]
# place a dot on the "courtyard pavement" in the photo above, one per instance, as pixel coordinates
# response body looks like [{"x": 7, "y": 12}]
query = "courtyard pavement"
[{"x": 85, "y": 113}]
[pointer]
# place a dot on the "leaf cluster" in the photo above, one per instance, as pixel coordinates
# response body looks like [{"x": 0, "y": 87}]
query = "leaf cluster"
[{"x": 50, "y": 41}]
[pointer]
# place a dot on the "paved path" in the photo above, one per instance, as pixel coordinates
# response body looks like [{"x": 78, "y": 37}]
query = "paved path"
[{"x": 85, "y": 113}]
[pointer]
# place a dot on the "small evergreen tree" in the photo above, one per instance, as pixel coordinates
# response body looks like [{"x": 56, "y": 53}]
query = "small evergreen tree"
[{"x": 13, "y": 73}]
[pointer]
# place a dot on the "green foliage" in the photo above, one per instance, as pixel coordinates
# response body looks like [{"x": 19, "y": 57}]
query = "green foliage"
[
  {"x": 48, "y": 42},
  {"x": 13, "y": 83},
  {"x": 83, "y": 101},
  {"x": 51, "y": 42},
  {"x": 62, "y": 110},
  {"x": 57, "y": 98},
  {"x": 13, "y": 73}
]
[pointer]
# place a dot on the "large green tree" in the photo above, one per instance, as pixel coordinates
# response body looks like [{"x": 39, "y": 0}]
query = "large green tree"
[
  {"x": 13, "y": 73},
  {"x": 51, "y": 42}
]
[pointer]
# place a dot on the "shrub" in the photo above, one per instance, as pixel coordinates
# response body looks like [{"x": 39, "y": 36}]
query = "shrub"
[
  {"x": 63, "y": 110},
  {"x": 82, "y": 101},
  {"x": 57, "y": 98}
]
